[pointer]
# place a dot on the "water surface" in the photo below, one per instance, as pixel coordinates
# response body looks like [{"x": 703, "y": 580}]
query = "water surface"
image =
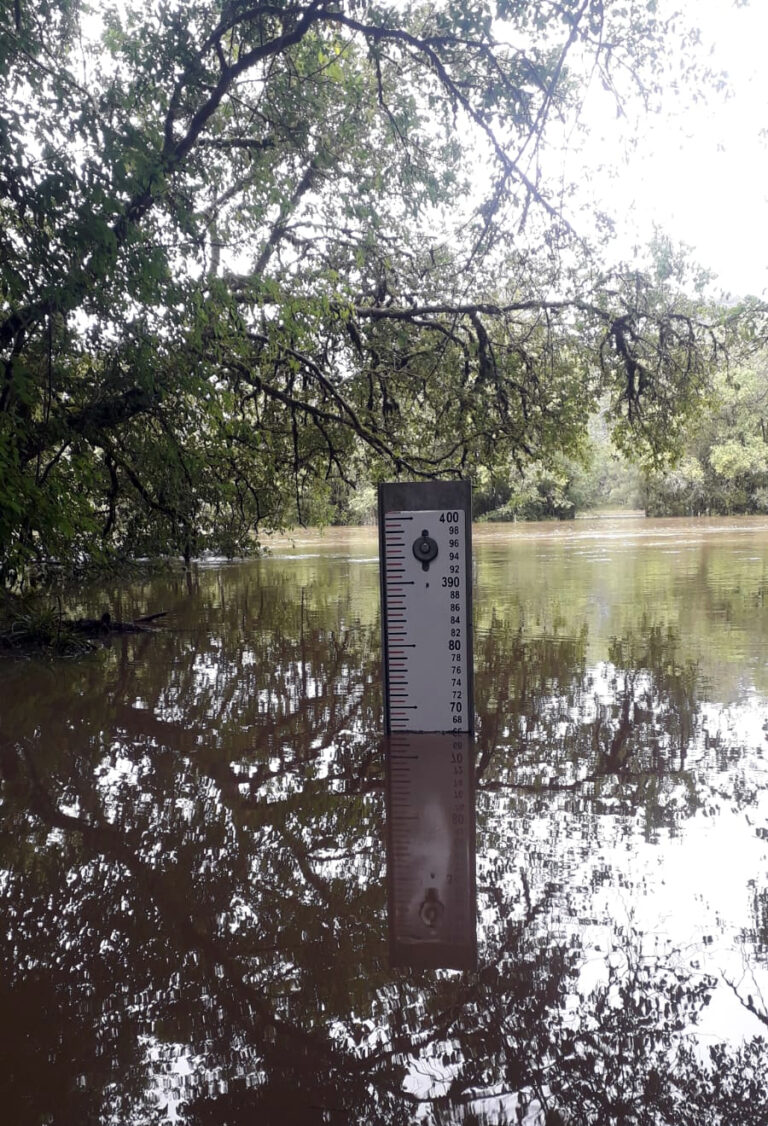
[{"x": 193, "y": 846}]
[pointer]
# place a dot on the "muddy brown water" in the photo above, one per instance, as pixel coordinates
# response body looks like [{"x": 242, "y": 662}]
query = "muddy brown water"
[{"x": 193, "y": 849}]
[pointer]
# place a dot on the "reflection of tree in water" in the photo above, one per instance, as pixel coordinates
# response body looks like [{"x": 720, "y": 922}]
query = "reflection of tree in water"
[
  {"x": 760, "y": 909},
  {"x": 195, "y": 871},
  {"x": 617, "y": 736}
]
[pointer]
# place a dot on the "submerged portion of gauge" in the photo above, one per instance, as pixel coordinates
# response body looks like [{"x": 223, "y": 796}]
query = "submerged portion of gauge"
[{"x": 431, "y": 851}]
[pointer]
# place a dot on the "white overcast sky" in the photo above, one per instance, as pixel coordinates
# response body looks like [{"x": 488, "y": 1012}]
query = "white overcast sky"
[{"x": 701, "y": 172}]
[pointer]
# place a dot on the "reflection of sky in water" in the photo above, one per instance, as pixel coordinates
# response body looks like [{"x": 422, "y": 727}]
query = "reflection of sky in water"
[
  {"x": 689, "y": 888},
  {"x": 623, "y": 706}
]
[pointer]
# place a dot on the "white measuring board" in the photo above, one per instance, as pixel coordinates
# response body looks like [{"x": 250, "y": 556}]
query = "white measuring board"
[{"x": 426, "y": 571}]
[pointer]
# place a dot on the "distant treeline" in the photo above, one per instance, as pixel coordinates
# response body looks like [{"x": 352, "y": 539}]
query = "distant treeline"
[
  {"x": 722, "y": 469},
  {"x": 559, "y": 490}
]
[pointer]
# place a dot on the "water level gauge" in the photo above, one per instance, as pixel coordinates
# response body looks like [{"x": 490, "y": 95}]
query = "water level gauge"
[{"x": 425, "y": 531}]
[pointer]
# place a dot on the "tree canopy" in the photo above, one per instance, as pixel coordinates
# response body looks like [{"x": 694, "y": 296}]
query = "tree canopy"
[
  {"x": 724, "y": 467},
  {"x": 251, "y": 250}
]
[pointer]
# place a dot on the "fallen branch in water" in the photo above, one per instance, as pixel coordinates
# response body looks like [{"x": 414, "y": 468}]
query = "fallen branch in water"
[
  {"x": 97, "y": 627},
  {"x": 27, "y": 627}
]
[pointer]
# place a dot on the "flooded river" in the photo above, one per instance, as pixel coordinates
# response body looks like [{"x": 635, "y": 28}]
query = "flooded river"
[{"x": 193, "y": 846}]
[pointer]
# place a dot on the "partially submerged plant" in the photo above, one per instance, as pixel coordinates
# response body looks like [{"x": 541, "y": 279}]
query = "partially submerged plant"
[{"x": 27, "y": 624}]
